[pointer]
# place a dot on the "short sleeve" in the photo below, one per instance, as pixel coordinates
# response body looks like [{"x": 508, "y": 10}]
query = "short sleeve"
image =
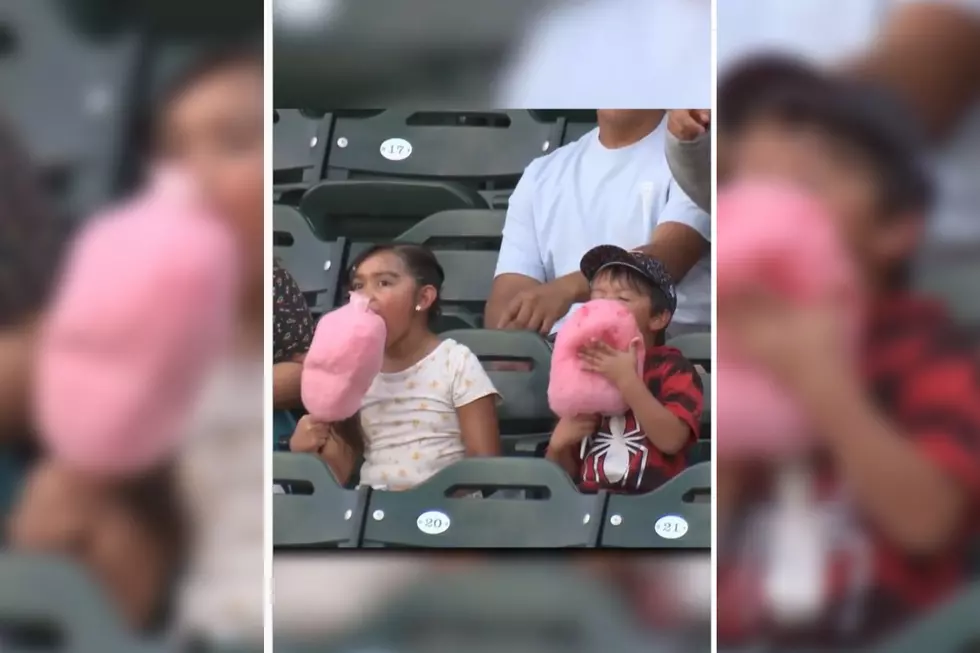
[
  {"x": 292, "y": 324},
  {"x": 679, "y": 388},
  {"x": 680, "y": 209},
  {"x": 941, "y": 413},
  {"x": 470, "y": 380},
  {"x": 519, "y": 249}
]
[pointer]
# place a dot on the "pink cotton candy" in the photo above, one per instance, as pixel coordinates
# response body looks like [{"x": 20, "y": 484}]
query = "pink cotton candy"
[
  {"x": 778, "y": 238},
  {"x": 346, "y": 354},
  {"x": 145, "y": 306},
  {"x": 573, "y": 391}
]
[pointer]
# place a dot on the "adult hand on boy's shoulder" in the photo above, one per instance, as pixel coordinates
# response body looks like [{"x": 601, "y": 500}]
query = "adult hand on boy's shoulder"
[
  {"x": 570, "y": 431},
  {"x": 618, "y": 367},
  {"x": 310, "y": 435}
]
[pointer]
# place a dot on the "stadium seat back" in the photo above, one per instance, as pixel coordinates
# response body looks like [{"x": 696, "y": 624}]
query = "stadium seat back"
[
  {"x": 696, "y": 347},
  {"x": 300, "y": 139},
  {"x": 953, "y": 276},
  {"x": 706, "y": 409},
  {"x": 67, "y": 98},
  {"x": 951, "y": 628},
  {"x": 434, "y": 514},
  {"x": 47, "y": 603},
  {"x": 381, "y": 209},
  {"x": 519, "y": 365},
  {"x": 675, "y": 515},
  {"x": 483, "y": 146},
  {"x": 466, "y": 243},
  {"x": 330, "y": 516},
  {"x": 317, "y": 266}
]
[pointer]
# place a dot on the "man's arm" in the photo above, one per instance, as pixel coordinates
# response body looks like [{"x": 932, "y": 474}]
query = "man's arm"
[
  {"x": 519, "y": 264},
  {"x": 929, "y": 53},
  {"x": 682, "y": 235}
]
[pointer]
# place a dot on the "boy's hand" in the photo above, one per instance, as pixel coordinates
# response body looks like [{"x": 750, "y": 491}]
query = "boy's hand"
[
  {"x": 310, "y": 436},
  {"x": 570, "y": 431},
  {"x": 618, "y": 367}
]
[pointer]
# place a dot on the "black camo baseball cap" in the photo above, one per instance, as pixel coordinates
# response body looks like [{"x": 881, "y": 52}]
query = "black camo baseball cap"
[{"x": 599, "y": 258}]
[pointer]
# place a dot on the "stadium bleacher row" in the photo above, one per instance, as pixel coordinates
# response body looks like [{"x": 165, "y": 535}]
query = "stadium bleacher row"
[{"x": 313, "y": 511}]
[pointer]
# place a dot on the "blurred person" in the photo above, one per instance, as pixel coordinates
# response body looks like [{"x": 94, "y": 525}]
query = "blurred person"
[
  {"x": 431, "y": 405},
  {"x": 209, "y": 121},
  {"x": 625, "y": 53},
  {"x": 896, "y": 480},
  {"x": 639, "y": 451},
  {"x": 927, "y": 51},
  {"x": 689, "y": 153},
  {"x": 612, "y": 186},
  {"x": 292, "y": 332},
  {"x": 33, "y": 236}
]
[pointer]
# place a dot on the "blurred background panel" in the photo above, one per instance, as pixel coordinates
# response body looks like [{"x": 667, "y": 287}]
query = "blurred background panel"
[{"x": 81, "y": 81}]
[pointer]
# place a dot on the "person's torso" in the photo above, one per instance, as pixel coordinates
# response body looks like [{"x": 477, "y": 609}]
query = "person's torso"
[
  {"x": 619, "y": 457},
  {"x": 222, "y": 472},
  {"x": 587, "y": 195},
  {"x": 831, "y": 31},
  {"x": 864, "y": 585},
  {"x": 411, "y": 429}
]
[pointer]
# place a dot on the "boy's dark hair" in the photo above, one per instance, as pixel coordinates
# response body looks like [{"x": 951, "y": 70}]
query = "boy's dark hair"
[
  {"x": 420, "y": 262},
  {"x": 636, "y": 281},
  {"x": 869, "y": 119}
]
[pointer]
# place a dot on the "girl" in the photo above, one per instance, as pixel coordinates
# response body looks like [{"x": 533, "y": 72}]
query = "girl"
[
  {"x": 431, "y": 405},
  {"x": 209, "y": 123}
]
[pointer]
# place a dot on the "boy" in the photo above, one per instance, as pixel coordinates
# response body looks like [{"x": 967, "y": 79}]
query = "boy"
[
  {"x": 638, "y": 451},
  {"x": 896, "y": 485}
]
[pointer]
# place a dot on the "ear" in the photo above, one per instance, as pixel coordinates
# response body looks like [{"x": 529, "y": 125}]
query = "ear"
[
  {"x": 900, "y": 239},
  {"x": 659, "y": 321},
  {"x": 427, "y": 297}
]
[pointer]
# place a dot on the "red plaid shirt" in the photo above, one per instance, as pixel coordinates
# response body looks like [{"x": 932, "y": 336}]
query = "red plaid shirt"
[
  {"x": 924, "y": 376},
  {"x": 619, "y": 457}
]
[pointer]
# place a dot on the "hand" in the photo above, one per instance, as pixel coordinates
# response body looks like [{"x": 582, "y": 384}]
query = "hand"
[
  {"x": 688, "y": 124},
  {"x": 538, "y": 308},
  {"x": 570, "y": 431},
  {"x": 310, "y": 436},
  {"x": 801, "y": 346},
  {"x": 618, "y": 367}
]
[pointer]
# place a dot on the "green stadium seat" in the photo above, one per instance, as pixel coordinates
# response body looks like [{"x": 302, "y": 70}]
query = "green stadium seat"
[
  {"x": 952, "y": 628},
  {"x": 696, "y": 347},
  {"x": 300, "y": 139},
  {"x": 526, "y": 420},
  {"x": 432, "y": 515},
  {"x": 954, "y": 277},
  {"x": 329, "y": 517},
  {"x": 706, "y": 411},
  {"x": 388, "y": 170},
  {"x": 466, "y": 243},
  {"x": 317, "y": 266},
  {"x": 45, "y": 598},
  {"x": 674, "y": 516}
]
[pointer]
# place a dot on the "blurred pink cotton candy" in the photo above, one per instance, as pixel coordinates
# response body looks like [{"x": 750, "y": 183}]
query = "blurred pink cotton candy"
[
  {"x": 778, "y": 238},
  {"x": 145, "y": 306},
  {"x": 573, "y": 391},
  {"x": 346, "y": 354}
]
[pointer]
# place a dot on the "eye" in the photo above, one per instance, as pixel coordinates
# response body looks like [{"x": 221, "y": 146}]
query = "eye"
[
  {"x": 357, "y": 285},
  {"x": 384, "y": 283}
]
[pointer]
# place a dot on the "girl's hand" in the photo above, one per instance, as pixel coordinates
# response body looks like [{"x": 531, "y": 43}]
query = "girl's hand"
[
  {"x": 618, "y": 367},
  {"x": 310, "y": 436}
]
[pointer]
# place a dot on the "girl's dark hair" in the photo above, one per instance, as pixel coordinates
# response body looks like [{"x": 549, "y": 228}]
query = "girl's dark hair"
[{"x": 419, "y": 260}]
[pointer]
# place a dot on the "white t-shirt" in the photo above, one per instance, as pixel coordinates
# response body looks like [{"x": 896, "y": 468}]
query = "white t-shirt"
[
  {"x": 829, "y": 31},
  {"x": 583, "y": 195},
  {"x": 615, "y": 53},
  {"x": 223, "y": 595},
  {"x": 411, "y": 430}
]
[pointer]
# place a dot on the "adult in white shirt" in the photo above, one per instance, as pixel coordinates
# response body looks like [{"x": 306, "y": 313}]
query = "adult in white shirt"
[
  {"x": 623, "y": 53},
  {"x": 612, "y": 186},
  {"x": 926, "y": 50}
]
